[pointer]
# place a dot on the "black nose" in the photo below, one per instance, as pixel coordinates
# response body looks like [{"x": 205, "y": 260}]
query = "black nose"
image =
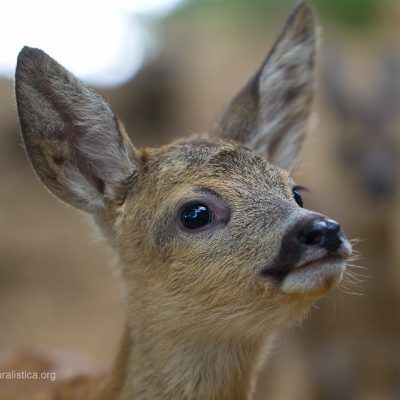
[{"x": 322, "y": 232}]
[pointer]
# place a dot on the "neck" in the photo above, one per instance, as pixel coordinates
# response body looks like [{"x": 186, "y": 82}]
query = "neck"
[{"x": 179, "y": 370}]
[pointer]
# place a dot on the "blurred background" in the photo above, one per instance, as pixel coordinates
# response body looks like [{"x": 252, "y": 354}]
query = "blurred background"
[{"x": 168, "y": 67}]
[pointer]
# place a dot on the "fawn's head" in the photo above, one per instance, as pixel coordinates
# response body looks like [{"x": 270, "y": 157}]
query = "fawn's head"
[{"x": 210, "y": 229}]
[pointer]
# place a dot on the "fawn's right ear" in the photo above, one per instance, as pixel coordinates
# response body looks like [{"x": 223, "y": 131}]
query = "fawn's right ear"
[{"x": 73, "y": 139}]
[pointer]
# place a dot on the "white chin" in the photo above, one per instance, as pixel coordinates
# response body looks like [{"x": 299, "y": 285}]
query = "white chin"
[{"x": 314, "y": 279}]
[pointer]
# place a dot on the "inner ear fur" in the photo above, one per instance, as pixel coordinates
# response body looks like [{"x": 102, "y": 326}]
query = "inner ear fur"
[{"x": 74, "y": 141}]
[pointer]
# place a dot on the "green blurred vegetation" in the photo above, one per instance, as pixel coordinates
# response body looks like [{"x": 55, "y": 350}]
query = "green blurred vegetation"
[{"x": 350, "y": 13}]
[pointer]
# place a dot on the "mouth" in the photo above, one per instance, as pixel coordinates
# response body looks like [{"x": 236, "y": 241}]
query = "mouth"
[
  {"x": 315, "y": 263},
  {"x": 315, "y": 278},
  {"x": 314, "y": 275},
  {"x": 319, "y": 262}
]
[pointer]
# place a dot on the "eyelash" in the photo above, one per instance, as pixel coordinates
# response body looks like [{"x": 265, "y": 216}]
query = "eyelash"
[{"x": 300, "y": 188}]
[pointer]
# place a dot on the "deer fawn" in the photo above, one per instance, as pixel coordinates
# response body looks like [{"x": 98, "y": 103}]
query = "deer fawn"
[{"x": 217, "y": 253}]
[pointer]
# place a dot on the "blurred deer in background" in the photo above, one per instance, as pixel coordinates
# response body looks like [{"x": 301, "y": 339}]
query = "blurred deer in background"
[
  {"x": 217, "y": 253},
  {"x": 368, "y": 138}
]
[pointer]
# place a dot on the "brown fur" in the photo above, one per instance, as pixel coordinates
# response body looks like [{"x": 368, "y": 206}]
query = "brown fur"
[{"x": 199, "y": 315}]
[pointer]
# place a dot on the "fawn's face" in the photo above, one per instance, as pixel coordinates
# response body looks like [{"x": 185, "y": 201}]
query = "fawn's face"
[
  {"x": 224, "y": 229},
  {"x": 210, "y": 226}
]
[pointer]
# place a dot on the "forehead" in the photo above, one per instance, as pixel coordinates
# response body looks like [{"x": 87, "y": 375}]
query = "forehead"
[{"x": 206, "y": 161}]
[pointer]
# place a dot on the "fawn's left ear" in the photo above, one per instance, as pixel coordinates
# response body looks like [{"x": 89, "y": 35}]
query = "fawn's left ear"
[
  {"x": 271, "y": 112},
  {"x": 72, "y": 137}
]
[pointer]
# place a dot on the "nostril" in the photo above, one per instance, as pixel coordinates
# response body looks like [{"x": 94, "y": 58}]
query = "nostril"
[
  {"x": 313, "y": 234},
  {"x": 321, "y": 232}
]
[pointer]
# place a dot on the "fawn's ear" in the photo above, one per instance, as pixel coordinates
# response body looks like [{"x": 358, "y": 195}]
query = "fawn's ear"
[
  {"x": 271, "y": 112},
  {"x": 73, "y": 139}
]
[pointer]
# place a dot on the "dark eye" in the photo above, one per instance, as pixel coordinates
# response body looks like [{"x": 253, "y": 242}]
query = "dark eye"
[
  {"x": 297, "y": 197},
  {"x": 196, "y": 216}
]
